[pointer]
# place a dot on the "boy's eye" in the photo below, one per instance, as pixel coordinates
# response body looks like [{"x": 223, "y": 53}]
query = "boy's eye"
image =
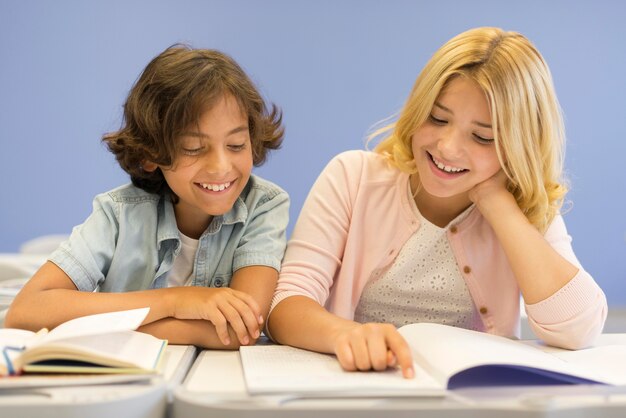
[
  {"x": 192, "y": 151},
  {"x": 482, "y": 140},
  {"x": 437, "y": 121},
  {"x": 237, "y": 147}
]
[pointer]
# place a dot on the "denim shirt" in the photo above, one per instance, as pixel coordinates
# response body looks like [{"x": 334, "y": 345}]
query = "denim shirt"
[{"x": 130, "y": 240}]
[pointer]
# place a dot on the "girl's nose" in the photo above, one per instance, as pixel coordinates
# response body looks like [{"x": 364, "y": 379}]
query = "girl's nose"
[{"x": 450, "y": 143}]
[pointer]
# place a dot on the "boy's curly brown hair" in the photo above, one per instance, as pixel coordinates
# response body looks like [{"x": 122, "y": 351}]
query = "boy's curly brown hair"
[{"x": 173, "y": 91}]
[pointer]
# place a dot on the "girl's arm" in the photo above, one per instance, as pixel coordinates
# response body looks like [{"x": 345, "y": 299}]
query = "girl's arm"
[
  {"x": 301, "y": 322},
  {"x": 314, "y": 256},
  {"x": 539, "y": 269},
  {"x": 565, "y": 306},
  {"x": 52, "y": 295}
]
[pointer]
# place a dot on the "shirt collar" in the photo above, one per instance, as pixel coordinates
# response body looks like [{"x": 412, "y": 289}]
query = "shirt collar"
[
  {"x": 168, "y": 230},
  {"x": 238, "y": 213},
  {"x": 166, "y": 223}
]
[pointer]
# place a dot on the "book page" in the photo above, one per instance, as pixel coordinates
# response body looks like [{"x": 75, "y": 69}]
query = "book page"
[
  {"x": 15, "y": 337},
  {"x": 57, "y": 380},
  {"x": 446, "y": 350},
  {"x": 103, "y": 323},
  {"x": 126, "y": 349},
  {"x": 11, "y": 342},
  {"x": 283, "y": 369},
  {"x": 608, "y": 361}
]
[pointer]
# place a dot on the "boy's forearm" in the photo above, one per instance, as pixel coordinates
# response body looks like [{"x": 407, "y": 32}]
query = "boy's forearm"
[
  {"x": 56, "y": 306},
  {"x": 190, "y": 332},
  {"x": 51, "y": 298},
  {"x": 259, "y": 282}
]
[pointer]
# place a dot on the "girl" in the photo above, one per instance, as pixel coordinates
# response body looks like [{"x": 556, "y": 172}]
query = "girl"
[
  {"x": 454, "y": 213},
  {"x": 196, "y": 237}
]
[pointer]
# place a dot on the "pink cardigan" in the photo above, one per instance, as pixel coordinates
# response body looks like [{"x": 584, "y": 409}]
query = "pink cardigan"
[{"x": 358, "y": 216}]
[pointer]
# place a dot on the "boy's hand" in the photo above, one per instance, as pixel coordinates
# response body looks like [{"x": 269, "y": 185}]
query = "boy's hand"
[
  {"x": 222, "y": 307},
  {"x": 373, "y": 346}
]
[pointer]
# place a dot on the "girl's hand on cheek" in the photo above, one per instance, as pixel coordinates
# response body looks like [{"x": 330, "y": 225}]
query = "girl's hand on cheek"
[
  {"x": 373, "y": 346},
  {"x": 491, "y": 193}
]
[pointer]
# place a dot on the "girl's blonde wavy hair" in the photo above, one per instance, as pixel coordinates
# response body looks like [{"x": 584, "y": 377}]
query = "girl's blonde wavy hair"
[{"x": 526, "y": 117}]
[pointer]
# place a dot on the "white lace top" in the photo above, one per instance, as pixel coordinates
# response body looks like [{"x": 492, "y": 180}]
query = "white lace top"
[{"x": 423, "y": 284}]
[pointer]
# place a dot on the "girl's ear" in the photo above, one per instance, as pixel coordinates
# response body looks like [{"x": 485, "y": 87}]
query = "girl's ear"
[{"x": 149, "y": 166}]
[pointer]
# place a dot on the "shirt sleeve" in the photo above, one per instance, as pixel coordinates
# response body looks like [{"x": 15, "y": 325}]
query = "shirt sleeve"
[
  {"x": 315, "y": 250},
  {"x": 264, "y": 240},
  {"x": 86, "y": 256},
  {"x": 573, "y": 316}
]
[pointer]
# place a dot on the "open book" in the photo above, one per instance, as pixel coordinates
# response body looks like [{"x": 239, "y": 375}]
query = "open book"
[
  {"x": 101, "y": 343},
  {"x": 445, "y": 358}
]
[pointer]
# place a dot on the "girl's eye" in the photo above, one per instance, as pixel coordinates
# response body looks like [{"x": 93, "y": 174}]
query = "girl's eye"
[
  {"x": 481, "y": 140},
  {"x": 437, "y": 121}
]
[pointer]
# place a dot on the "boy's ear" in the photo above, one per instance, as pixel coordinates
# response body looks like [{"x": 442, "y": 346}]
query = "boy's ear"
[{"x": 149, "y": 166}]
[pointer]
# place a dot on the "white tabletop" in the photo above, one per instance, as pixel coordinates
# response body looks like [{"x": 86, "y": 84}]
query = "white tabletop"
[
  {"x": 144, "y": 399},
  {"x": 215, "y": 387}
]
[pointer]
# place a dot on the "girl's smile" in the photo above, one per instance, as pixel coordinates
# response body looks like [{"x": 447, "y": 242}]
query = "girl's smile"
[{"x": 444, "y": 170}]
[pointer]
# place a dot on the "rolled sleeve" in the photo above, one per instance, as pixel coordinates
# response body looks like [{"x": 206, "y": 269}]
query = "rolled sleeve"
[
  {"x": 265, "y": 238},
  {"x": 86, "y": 256}
]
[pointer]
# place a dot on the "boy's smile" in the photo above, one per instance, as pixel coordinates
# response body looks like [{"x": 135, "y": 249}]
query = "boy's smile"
[{"x": 215, "y": 187}]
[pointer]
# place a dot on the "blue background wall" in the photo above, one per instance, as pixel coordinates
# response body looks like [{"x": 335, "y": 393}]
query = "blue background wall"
[{"x": 335, "y": 67}]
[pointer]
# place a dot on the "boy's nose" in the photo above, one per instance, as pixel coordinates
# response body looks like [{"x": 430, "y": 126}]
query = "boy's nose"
[{"x": 217, "y": 163}]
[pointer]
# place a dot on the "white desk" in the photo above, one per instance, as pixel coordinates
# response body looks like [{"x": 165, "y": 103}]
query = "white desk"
[
  {"x": 148, "y": 399},
  {"x": 215, "y": 387},
  {"x": 14, "y": 265},
  {"x": 15, "y": 269}
]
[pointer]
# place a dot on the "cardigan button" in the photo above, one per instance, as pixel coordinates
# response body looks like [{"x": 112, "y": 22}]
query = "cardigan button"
[
  {"x": 483, "y": 310},
  {"x": 467, "y": 270}
]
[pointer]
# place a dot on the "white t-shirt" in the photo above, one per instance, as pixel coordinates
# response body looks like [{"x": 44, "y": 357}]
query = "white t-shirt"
[{"x": 181, "y": 273}]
